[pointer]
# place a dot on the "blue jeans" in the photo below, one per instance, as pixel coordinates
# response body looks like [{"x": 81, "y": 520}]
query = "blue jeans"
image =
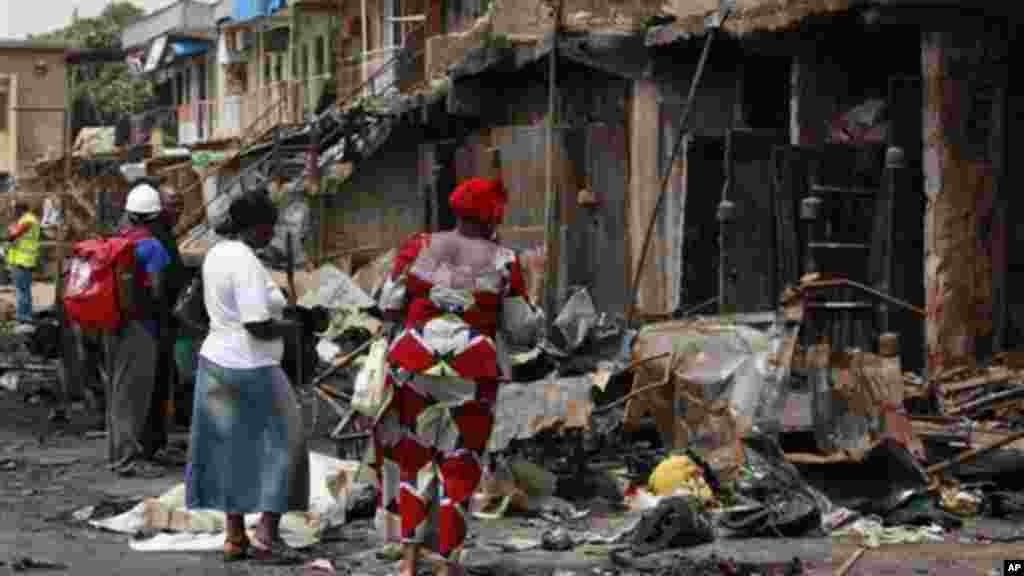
[{"x": 23, "y": 293}]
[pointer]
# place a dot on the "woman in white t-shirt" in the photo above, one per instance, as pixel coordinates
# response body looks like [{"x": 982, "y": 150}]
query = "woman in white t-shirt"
[{"x": 240, "y": 455}]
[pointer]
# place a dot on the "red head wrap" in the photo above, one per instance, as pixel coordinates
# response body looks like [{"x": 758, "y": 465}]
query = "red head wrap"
[{"x": 480, "y": 199}]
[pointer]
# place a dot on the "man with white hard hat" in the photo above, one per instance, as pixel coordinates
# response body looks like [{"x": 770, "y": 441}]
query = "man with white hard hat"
[
  {"x": 135, "y": 347},
  {"x": 174, "y": 279}
]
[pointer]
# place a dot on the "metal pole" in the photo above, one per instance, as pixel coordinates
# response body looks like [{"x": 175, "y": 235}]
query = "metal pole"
[
  {"x": 314, "y": 168},
  {"x": 293, "y": 54},
  {"x": 726, "y": 210},
  {"x": 553, "y": 205},
  {"x": 67, "y": 344},
  {"x": 68, "y": 110},
  {"x": 365, "y": 41}
]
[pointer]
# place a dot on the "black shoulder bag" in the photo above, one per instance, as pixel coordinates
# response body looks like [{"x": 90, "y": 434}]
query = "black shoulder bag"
[{"x": 190, "y": 309}]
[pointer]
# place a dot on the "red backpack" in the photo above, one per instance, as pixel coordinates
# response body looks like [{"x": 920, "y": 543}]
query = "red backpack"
[{"x": 100, "y": 281}]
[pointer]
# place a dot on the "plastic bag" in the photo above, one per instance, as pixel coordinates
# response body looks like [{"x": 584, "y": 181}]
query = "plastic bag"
[
  {"x": 372, "y": 393},
  {"x": 784, "y": 504},
  {"x": 677, "y": 522}
]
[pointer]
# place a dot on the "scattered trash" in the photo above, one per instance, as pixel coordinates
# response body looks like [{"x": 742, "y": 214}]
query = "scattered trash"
[
  {"x": 677, "y": 522},
  {"x": 782, "y": 504},
  {"x": 517, "y": 544},
  {"x": 83, "y": 514},
  {"x": 201, "y": 530},
  {"x": 576, "y": 319},
  {"x": 9, "y": 381},
  {"x": 56, "y": 461},
  {"x": 362, "y": 501},
  {"x": 320, "y": 567},
  {"x": 336, "y": 290},
  {"x": 959, "y": 502},
  {"x": 556, "y": 540},
  {"x": 678, "y": 475},
  {"x": 24, "y": 564},
  {"x": 390, "y": 553},
  {"x": 327, "y": 351},
  {"x": 874, "y": 533},
  {"x": 838, "y": 518}
]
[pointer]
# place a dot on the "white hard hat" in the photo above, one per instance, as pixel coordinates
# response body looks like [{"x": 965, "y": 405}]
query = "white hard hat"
[
  {"x": 143, "y": 199},
  {"x": 133, "y": 172}
]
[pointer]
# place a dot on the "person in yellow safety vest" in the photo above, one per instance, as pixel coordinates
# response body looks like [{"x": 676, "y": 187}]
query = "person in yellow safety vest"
[{"x": 22, "y": 257}]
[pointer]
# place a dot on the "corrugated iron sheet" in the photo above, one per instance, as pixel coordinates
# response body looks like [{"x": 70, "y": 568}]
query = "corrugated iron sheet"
[
  {"x": 604, "y": 230},
  {"x": 525, "y": 410},
  {"x": 750, "y": 16}
]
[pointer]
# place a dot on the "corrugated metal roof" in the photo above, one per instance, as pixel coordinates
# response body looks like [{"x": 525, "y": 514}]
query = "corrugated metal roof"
[
  {"x": 777, "y": 15},
  {"x": 614, "y": 53},
  {"x": 750, "y": 16},
  {"x": 182, "y": 16}
]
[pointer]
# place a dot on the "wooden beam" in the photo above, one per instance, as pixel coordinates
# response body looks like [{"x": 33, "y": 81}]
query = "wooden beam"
[{"x": 552, "y": 202}]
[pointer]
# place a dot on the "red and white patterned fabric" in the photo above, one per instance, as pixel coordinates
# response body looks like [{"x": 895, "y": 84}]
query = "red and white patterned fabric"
[{"x": 427, "y": 448}]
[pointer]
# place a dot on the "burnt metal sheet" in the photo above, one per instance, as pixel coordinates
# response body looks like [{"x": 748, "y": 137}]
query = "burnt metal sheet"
[
  {"x": 524, "y": 410},
  {"x": 523, "y": 150},
  {"x": 604, "y": 228}
]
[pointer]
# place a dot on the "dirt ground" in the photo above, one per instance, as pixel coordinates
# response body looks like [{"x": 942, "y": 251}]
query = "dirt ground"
[{"x": 46, "y": 474}]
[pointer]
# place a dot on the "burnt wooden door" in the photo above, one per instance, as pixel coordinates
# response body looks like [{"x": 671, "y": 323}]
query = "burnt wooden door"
[
  {"x": 705, "y": 175},
  {"x": 750, "y": 248},
  {"x": 751, "y": 285}
]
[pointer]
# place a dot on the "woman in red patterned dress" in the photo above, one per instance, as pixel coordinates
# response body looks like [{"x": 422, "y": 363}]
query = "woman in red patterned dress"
[{"x": 452, "y": 292}]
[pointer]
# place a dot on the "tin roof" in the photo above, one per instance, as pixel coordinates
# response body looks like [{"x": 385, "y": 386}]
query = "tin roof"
[{"x": 692, "y": 17}]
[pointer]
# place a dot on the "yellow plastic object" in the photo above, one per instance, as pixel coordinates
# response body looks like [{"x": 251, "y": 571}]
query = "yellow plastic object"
[
  {"x": 679, "y": 475},
  {"x": 961, "y": 503}
]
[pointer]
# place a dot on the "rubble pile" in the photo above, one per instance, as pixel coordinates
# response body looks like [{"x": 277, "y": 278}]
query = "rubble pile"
[
  {"x": 994, "y": 393},
  {"x": 686, "y": 423}
]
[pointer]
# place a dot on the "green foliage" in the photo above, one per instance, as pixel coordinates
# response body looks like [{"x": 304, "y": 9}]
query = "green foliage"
[{"x": 109, "y": 87}]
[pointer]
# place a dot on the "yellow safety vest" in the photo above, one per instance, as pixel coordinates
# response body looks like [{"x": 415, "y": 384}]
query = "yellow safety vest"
[{"x": 25, "y": 251}]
